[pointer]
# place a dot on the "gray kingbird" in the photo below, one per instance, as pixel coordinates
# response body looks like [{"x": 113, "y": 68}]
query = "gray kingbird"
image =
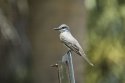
[{"x": 67, "y": 38}]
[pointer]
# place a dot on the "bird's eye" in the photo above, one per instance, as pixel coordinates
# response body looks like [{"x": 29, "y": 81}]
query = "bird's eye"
[{"x": 63, "y": 27}]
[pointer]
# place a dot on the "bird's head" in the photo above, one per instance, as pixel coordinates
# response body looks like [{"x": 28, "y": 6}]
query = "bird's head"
[{"x": 62, "y": 28}]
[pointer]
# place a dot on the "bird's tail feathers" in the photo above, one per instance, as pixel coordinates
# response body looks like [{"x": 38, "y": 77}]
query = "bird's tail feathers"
[{"x": 86, "y": 59}]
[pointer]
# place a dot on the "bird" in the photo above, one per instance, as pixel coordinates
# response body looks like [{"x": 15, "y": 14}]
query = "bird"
[{"x": 68, "y": 40}]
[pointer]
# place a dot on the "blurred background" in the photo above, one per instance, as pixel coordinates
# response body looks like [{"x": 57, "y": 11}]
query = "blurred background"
[{"x": 29, "y": 45}]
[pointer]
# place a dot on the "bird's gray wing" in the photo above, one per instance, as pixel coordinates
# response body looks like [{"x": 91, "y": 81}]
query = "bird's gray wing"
[
  {"x": 70, "y": 42},
  {"x": 72, "y": 46}
]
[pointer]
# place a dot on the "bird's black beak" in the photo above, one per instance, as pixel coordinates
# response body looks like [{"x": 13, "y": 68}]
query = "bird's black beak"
[{"x": 56, "y": 28}]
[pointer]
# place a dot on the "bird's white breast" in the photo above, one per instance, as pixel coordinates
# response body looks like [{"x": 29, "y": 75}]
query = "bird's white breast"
[{"x": 66, "y": 36}]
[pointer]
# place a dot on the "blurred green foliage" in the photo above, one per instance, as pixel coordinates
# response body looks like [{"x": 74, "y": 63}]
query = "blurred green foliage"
[{"x": 106, "y": 29}]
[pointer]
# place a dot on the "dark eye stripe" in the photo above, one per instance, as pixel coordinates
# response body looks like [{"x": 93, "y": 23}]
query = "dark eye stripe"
[{"x": 63, "y": 27}]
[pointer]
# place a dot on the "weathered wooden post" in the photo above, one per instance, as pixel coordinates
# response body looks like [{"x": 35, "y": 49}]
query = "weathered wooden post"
[{"x": 65, "y": 69}]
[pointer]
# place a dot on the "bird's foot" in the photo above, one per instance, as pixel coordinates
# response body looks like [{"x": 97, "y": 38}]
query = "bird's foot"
[{"x": 69, "y": 51}]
